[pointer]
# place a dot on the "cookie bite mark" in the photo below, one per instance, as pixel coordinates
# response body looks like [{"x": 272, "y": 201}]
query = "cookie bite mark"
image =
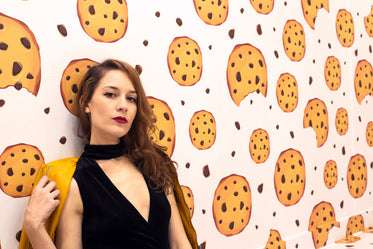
[
  {"x": 164, "y": 120},
  {"x": 246, "y": 72},
  {"x": 290, "y": 177},
  {"x": 332, "y": 73},
  {"x": 232, "y": 205},
  {"x": 259, "y": 146},
  {"x": 316, "y": 117},
  {"x": 322, "y": 220},
  {"x": 330, "y": 174},
  {"x": 344, "y": 26},
  {"x": 103, "y": 21},
  {"x": 275, "y": 241},
  {"x": 212, "y": 12},
  {"x": 363, "y": 80},
  {"x": 202, "y": 130},
  {"x": 357, "y": 175},
  {"x": 18, "y": 167},
  {"x": 184, "y": 61},
  {"x": 311, "y": 8},
  {"x": 22, "y": 67},
  {"x": 368, "y": 23},
  {"x": 287, "y": 92},
  {"x": 71, "y": 82},
  {"x": 294, "y": 40},
  {"x": 341, "y": 121},
  {"x": 189, "y": 199},
  {"x": 263, "y": 6}
]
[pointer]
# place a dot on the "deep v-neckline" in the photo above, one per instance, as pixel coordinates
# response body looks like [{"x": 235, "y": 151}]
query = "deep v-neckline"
[{"x": 122, "y": 197}]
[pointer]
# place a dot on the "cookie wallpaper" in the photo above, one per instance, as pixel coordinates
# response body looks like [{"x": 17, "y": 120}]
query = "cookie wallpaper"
[{"x": 266, "y": 105}]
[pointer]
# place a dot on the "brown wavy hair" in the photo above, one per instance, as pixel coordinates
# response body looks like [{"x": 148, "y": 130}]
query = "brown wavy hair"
[{"x": 148, "y": 156}]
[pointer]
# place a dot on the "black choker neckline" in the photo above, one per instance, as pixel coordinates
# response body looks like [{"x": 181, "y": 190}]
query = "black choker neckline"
[{"x": 103, "y": 151}]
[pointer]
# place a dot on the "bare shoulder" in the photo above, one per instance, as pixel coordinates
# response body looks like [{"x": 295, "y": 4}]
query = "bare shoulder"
[{"x": 74, "y": 200}]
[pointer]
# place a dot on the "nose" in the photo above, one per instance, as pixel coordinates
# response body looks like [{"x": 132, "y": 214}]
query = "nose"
[{"x": 122, "y": 104}]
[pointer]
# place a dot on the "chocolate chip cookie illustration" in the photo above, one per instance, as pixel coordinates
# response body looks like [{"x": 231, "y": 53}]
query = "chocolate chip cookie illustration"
[
  {"x": 311, "y": 8},
  {"x": 189, "y": 199},
  {"x": 232, "y": 205},
  {"x": 259, "y": 146},
  {"x": 355, "y": 224},
  {"x": 330, "y": 174},
  {"x": 341, "y": 121},
  {"x": 212, "y": 12},
  {"x": 22, "y": 67},
  {"x": 322, "y": 220},
  {"x": 332, "y": 73},
  {"x": 290, "y": 177},
  {"x": 294, "y": 40},
  {"x": 316, "y": 116},
  {"x": 184, "y": 60},
  {"x": 71, "y": 81},
  {"x": 287, "y": 92},
  {"x": 368, "y": 23},
  {"x": 363, "y": 80},
  {"x": 263, "y": 6},
  {"x": 202, "y": 130},
  {"x": 18, "y": 167},
  {"x": 165, "y": 123},
  {"x": 275, "y": 241},
  {"x": 246, "y": 72},
  {"x": 369, "y": 134},
  {"x": 344, "y": 25},
  {"x": 103, "y": 21},
  {"x": 357, "y": 174}
]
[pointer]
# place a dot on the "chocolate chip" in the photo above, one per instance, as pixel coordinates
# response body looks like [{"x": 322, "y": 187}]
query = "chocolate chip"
[
  {"x": 161, "y": 134},
  {"x": 179, "y": 21},
  {"x": 101, "y": 31},
  {"x": 3, "y": 46},
  {"x": 115, "y": 15},
  {"x": 91, "y": 10},
  {"x": 63, "y": 140},
  {"x": 62, "y": 29},
  {"x": 206, "y": 171},
  {"x": 46, "y": 111},
  {"x": 25, "y": 42},
  {"x": 231, "y": 33},
  {"x": 166, "y": 116},
  {"x": 74, "y": 88},
  {"x": 2, "y": 102},
  {"x": 157, "y": 14},
  {"x": 138, "y": 69},
  {"x": 209, "y": 15},
  {"x": 260, "y": 188},
  {"x": 145, "y": 43},
  {"x": 10, "y": 172},
  {"x": 187, "y": 165},
  {"x": 18, "y": 86},
  {"x": 259, "y": 29},
  {"x": 19, "y": 188},
  {"x": 29, "y": 76},
  {"x": 17, "y": 68}
]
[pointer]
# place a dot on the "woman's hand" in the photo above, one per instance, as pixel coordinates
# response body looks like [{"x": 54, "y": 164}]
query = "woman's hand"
[{"x": 43, "y": 202}]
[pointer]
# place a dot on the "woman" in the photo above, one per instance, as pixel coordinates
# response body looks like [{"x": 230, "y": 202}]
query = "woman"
[{"x": 122, "y": 191}]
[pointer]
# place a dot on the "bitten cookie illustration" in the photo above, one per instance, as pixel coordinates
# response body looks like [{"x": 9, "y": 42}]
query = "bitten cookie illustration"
[
  {"x": 294, "y": 40},
  {"x": 246, "y": 72},
  {"x": 18, "y": 167},
  {"x": 189, "y": 199},
  {"x": 275, "y": 241},
  {"x": 103, "y": 21},
  {"x": 311, "y": 8},
  {"x": 357, "y": 174},
  {"x": 316, "y": 116},
  {"x": 71, "y": 80},
  {"x": 290, "y": 177},
  {"x": 232, "y": 205},
  {"x": 368, "y": 22},
  {"x": 165, "y": 123},
  {"x": 341, "y": 121},
  {"x": 211, "y": 12},
  {"x": 202, "y": 130},
  {"x": 363, "y": 80},
  {"x": 369, "y": 134},
  {"x": 259, "y": 146},
  {"x": 344, "y": 25},
  {"x": 322, "y": 220},
  {"x": 355, "y": 224},
  {"x": 332, "y": 73},
  {"x": 330, "y": 174},
  {"x": 20, "y": 64},
  {"x": 263, "y": 6},
  {"x": 184, "y": 60},
  {"x": 287, "y": 92}
]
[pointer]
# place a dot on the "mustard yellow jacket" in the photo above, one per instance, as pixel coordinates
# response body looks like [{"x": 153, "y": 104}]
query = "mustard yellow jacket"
[{"x": 61, "y": 171}]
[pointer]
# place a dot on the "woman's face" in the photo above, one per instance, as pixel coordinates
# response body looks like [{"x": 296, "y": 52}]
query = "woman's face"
[{"x": 112, "y": 108}]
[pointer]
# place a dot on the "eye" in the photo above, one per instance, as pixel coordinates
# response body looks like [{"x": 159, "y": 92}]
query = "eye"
[
  {"x": 132, "y": 99},
  {"x": 110, "y": 94}
]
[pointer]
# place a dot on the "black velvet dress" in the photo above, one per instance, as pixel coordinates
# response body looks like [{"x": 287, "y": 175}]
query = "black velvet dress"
[{"x": 110, "y": 221}]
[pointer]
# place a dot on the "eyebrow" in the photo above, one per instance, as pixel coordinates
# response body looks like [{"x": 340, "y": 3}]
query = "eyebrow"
[{"x": 117, "y": 89}]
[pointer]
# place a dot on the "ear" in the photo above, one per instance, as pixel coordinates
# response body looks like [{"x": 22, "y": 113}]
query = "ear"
[{"x": 87, "y": 110}]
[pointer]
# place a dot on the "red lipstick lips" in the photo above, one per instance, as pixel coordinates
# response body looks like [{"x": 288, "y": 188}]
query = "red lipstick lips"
[{"x": 121, "y": 120}]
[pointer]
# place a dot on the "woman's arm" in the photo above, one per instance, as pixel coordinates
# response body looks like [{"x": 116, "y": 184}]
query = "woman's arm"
[
  {"x": 43, "y": 202},
  {"x": 69, "y": 229},
  {"x": 176, "y": 233}
]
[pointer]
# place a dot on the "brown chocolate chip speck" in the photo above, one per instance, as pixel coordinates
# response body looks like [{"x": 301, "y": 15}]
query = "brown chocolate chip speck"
[
  {"x": 233, "y": 153},
  {"x": 3, "y": 46},
  {"x": 187, "y": 165},
  {"x": 237, "y": 124},
  {"x": 17, "y": 68},
  {"x": 179, "y": 21},
  {"x": 259, "y": 29},
  {"x": 101, "y": 31},
  {"x": 206, "y": 171},
  {"x": 2, "y": 102},
  {"x": 18, "y": 86},
  {"x": 29, "y": 76},
  {"x": 18, "y": 235},
  {"x": 74, "y": 88},
  {"x": 231, "y": 33},
  {"x": 25, "y": 42},
  {"x": 157, "y": 14},
  {"x": 63, "y": 140},
  {"x": 260, "y": 188},
  {"x": 19, "y": 188},
  {"x": 138, "y": 69},
  {"x": 62, "y": 29},
  {"x": 145, "y": 43},
  {"x": 91, "y": 10}
]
